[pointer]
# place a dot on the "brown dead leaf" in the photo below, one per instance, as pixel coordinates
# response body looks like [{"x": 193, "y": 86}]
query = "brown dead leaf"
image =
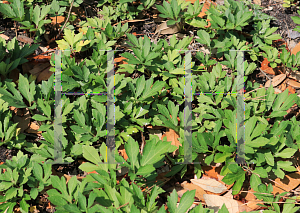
[
  {"x": 26, "y": 67},
  {"x": 165, "y": 29},
  {"x": 293, "y": 83},
  {"x": 14, "y": 75},
  {"x": 265, "y": 67},
  {"x": 44, "y": 75},
  {"x": 33, "y": 128},
  {"x": 269, "y": 71},
  {"x": 4, "y": 36},
  {"x": 258, "y": 2},
  {"x": 277, "y": 91},
  {"x": 212, "y": 171},
  {"x": 59, "y": 20},
  {"x": 191, "y": 186},
  {"x": 39, "y": 68},
  {"x": 25, "y": 39},
  {"x": 172, "y": 136},
  {"x": 180, "y": 190},
  {"x": 290, "y": 182},
  {"x": 205, "y": 7},
  {"x": 23, "y": 122},
  {"x": 123, "y": 152},
  {"x": 216, "y": 202},
  {"x": 276, "y": 80},
  {"x": 210, "y": 185},
  {"x": 156, "y": 132},
  {"x": 291, "y": 90},
  {"x": 252, "y": 200},
  {"x": 296, "y": 49},
  {"x": 282, "y": 86}
]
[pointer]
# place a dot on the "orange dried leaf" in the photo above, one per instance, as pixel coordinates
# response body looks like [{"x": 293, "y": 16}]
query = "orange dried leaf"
[{"x": 45, "y": 75}]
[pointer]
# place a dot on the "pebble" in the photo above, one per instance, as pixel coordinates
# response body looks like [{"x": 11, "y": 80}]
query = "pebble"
[{"x": 293, "y": 34}]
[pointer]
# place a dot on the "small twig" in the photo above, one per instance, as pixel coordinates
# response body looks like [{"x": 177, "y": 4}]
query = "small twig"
[
  {"x": 143, "y": 142},
  {"x": 253, "y": 90},
  {"x": 65, "y": 21},
  {"x": 122, "y": 205},
  {"x": 266, "y": 75}
]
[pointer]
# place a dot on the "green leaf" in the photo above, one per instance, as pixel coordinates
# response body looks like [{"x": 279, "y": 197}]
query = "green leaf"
[
  {"x": 34, "y": 193},
  {"x": 269, "y": 158},
  {"x": 6, "y": 10},
  {"x": 286, "y": 153},
  {"x": 153, "y": 152},
  {"x": 38, "y": 171},
  {"x": 172, "y": 202},
  {"x": 59, "y": 184},
  {"x": 244, "y": 16},
  {"x": 11, "y": 193},
  {"x": 132, "y": 150},
  {"x": 204, "y": 37},
  {"x": 186, "y": 201},
  {"x": 140, "y": 85},
  {"x": 145, "y": 170},
  {"x": 259, "y": 142},
  {"x": 296, "y": 19},
  {"x": 38, "y": 117},
  {"x": 91, "y": 154}
]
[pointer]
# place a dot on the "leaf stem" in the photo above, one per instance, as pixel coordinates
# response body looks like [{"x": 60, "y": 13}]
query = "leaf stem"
[{"x": 66, "y": 20}]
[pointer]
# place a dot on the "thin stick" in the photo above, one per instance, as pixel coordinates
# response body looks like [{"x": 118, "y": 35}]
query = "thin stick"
[
  {"x": 266, "y": 76},
  {"x": 65, "y": 21},
  {"x": 122, "y": 206}
]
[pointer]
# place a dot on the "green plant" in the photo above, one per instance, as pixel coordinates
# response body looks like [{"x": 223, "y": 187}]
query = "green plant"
[
  {"x": 14, "y": 11},
  {"x": 288, "y": 3},
  {"x": 22, "y": 173},
  {"x": 296, "y": 19},
  {"x": 272, "y": 56},
  {"x": 145, "y": 52},
  {"x": 12, "y": 55},
  {"x": 34, "y": 20},
  {"x": 9, "y": 134},
  {"x": 72, "y": 42}
]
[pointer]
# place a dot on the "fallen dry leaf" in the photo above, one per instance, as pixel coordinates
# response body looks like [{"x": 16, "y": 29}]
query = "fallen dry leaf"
[
  {"x": 291, "y": 90},
  {"x": 257, "y": 2},
  {"x": 252, "y": 200},
  {"x": 172, "y": 136},
  {"x": 25, "y": 39},
  {"x": 23, "y": 122},
  {"x": 4, "y": 36},
  {"x": 205, "y": 7},
  {"x": 210, "y": 185},
  {"x": 14, "y": 75},
  {"x": 265, "y": 67},
  {"x": 276, "y": 80},
  {"x": 26, "y": 67},
  {"x": 33, "y": 128},
  {"x": 199, "y": 191},
  {"x": 165, "y": 29},
  {"x": 156, "y": 132},
  {"x": 296, "y": 49},
  {"x": 290, "y": 182},
  {"x": 44, "y": 75},
  {"x": 293, "y": 83},
  {"x": 123, "y": 152},
  {"x": 59, "y": 20},
  {"x": 39, "y": 68},
  {"x": 216, "y": 202},
  {"x": 212, "y": 171}
]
